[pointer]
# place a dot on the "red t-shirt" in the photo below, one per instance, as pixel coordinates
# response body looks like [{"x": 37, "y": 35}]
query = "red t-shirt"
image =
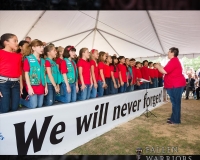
[
  {"x": 138, "y": 74},
  {"x": 58, "y": 62},
  {"x": 116, "y": 73},
  {"x": 134, "y": 74},
  {"x": 107, "y": 72},
  {"x": 151, "y": 73},
  {"x": 10, "y": 64},
  {"x": 174, "y": 77},
  {"x": 93, "y": 63},
  {"x": 100, "y": 66},
  {"x": 155, "y": 72},
  {"x": 85, "y": 71},
  {"x": 63, "y": 67},
  {"x": 123, "y": 70},
  {"x": 145, "y": 73},
  {"x": 37, "y": 89}
]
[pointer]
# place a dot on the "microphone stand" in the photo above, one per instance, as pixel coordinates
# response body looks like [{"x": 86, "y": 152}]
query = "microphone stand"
[{"x": 147, "y": 111}]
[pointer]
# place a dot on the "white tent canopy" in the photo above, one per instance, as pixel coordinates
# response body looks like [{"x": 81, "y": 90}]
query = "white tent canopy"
[{"x": 130, "y": 33}]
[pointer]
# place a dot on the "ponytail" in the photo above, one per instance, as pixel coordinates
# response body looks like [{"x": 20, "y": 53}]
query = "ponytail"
[
  {"x": 27, "y": 51},
  {"x": 1, "y": 45},
  {"x": 5, "y": 37}
]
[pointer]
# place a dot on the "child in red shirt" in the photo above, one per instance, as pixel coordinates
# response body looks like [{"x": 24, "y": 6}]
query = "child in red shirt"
[
  {"x": 160, "y": 77},
  {"x": 145, "y": 74},
  {"x": 122, "y": 74},
  {"x": 151, "y": 74},
  {"x": 59, "y": 56},
  {"x": 114, "y": 85},
  {"x": 156, "y": 72},
  {"x": 138, "y": 75},
  {"x": 10, "y": 73},
  {"x": 94, "y": 72},
  {"x": 107, "y": 73},
  {"x": 69, "y": 86},
  {"x": 132, "y": 65},
  {"x": 101, "y": 77},
  {"x": 34, "y": 68},
  {"x": 85, "y": 78},
  {"x": 53, "y": 76}
]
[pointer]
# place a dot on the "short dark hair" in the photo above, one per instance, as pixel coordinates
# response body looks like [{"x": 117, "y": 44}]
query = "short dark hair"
[
  {"x": 137, "y": 63},
  {"x": 150, "y": 63},
  {"x": 132, "y": 59},
  {"x": 21, "y": 43},
  {"x": 144, "y": 62},
  {"x": 175, "y": 51}
]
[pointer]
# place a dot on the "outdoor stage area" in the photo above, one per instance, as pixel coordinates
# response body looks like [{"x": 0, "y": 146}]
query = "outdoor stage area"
[{"x": 110, "y": 125}]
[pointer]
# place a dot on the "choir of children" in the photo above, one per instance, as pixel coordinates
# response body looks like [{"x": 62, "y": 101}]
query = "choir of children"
[{"x": 29, "y": 79}]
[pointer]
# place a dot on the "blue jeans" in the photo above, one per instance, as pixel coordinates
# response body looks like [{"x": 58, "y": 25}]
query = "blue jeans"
[
  {"x": 100, "y": 89},
  {"x": 66, "y": 97},
  {"x": 145, "y": 85},
  {"x": 114, "y": 90},
  {"x": 49, "y": 99},
  {"x": 33, "y": 102},
  {"x": 151, "y": 85},
  {"x": 132, "y": 87},
  {"x": 93, "y": 93},
  {"x": 128, "y": 89},
  {"x": 175, "y": 95},
  {"x": 155, "y": 82},
  {"x": 107, "y": 90},
  {"x": 84, "y": 94},
  {"x": 122, "y": 89},
  {"x": 138, "y": 87},
  {"x": 160, "y": 82},
  {"x": 11, "y": 96}
]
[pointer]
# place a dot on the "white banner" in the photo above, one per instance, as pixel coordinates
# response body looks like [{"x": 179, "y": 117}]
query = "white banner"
[{"x": 61, "y": 128}]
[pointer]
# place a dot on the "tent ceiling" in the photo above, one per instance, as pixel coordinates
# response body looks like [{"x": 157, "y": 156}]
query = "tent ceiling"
[{"x": 129, "y": 33}]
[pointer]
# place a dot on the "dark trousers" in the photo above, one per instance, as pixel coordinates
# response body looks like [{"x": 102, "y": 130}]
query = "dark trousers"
[
  {"x": 113, "y": 89},
  {"x": 175, "y": 95},
  {"x": 197, "y": 92},
  {"x": 160, "y": 82},
  {"x": 11, "y": 95},
  {"x": 188, "y": 89}
]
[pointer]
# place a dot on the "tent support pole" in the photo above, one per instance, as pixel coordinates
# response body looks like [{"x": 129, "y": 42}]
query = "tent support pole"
[
  {"x": 95, "y": 28},
  {"x": 129, "y": 41},
  {"x": 155, "y": 31},
  {"x": 107, "y": 42},
  {"x": 84, "y": 38},
  {"x": 34, "y": 24}
]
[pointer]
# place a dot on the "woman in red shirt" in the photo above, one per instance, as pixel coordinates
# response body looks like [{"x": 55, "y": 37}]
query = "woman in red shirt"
[
  {"x": 101, "y": 77},
  {"x": 94, "y": 72},
  {"x": 85, "y": 78},
  {"x": 10, "y": 73},
  {"x": 174, "y": 82},
  {"x": 138, "y": 75},
  {"x": 107, "y": 73},
  {"x": 114, "y": 85},
  {"x": 122, "y": 74}
]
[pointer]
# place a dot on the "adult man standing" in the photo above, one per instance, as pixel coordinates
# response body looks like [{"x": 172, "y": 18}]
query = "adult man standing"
[{"x": 28, "y": 39}]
